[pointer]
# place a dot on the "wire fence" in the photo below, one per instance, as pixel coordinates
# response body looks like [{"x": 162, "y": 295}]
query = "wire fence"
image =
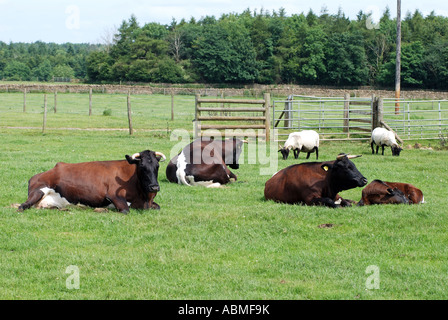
[
  {"x": 334, "y": 118},
  {"x": 95, "y": 110}
]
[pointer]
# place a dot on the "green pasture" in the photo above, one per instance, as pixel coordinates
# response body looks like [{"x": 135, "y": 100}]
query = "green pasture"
[
  {"x": 149, "y": 112},
  {"x": 226, "y": 243}
]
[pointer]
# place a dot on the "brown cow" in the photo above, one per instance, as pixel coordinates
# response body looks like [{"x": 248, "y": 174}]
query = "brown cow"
[
  {"x": 414, "y": 194},
  {"x": 380, "y": 192},
  {"x": 99, "y": 183},
  {"x": 315, "y": 183}
]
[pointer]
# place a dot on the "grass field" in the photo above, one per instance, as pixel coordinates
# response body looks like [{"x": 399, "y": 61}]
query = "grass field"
[{"x": 226, "y": 243}]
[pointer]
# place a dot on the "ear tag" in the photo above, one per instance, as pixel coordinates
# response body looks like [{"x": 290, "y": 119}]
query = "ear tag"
[{"x": 325, "y": 168}]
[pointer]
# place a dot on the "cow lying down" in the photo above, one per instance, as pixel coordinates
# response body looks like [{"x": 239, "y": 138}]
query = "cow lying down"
[
  {"x": 315, "y": 183},
  {"x": 383, "y": 192},
  {"x": 205, "y": 162},
  {"x": 122, "y": 183}
]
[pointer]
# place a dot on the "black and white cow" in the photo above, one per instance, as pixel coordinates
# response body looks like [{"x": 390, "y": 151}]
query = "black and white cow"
[{"x": 205, "y": 162}]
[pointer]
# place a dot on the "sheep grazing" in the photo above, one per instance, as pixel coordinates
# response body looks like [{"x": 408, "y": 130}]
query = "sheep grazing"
[
  {"x": 383, "y": 137},
  {"x": 306, "y": 141}
]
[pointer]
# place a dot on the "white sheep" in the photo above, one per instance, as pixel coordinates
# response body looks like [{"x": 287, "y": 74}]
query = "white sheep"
[
  {"x": 306, "y": 141},
  {"x": 383, "y": 137}
]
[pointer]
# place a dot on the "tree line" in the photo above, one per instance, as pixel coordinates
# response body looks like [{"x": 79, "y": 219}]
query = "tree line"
[
  {"x": 41, "y": 61},
  {"x": 250, "y": 47}
]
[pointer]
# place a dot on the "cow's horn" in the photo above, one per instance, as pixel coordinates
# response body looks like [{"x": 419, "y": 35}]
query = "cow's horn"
[
  {"x": 348, "y": 155},
  {"x": 135, "y": 155},
  {"x": 160, "y": 154}
]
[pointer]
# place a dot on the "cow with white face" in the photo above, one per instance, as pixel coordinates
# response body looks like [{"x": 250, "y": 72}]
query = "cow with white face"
[{"x": 205, "y": 162}]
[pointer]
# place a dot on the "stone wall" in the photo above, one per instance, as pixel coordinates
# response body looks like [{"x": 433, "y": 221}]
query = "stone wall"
[{"x": 250, "y": 90}]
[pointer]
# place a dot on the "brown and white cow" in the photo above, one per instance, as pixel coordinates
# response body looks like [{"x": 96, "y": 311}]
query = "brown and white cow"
[
  {"x": 205, "y": 162},
  {"x": 99, "y": 183},
  {"x": 315, "y": 183}
]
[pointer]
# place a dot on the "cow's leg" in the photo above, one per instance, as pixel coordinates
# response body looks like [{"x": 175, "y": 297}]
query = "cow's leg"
[
  {"x": 346, "y": 202},
  {"x": 120, "y": 204},
  {"x": 371, "y": 146},
  {"x": 232, "y": 176},
  {"x": 317, "y": 152},
  {"x": 154, "y": 206},
  {"x": 151, "y": 203},
  {"x": 33, "y": 197},
  {"x": 327, "y": 202}
]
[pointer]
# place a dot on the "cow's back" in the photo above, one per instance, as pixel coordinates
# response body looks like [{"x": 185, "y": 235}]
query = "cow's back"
[
  {"x": 299, "y": 183},
  {"x": 87, "y": 182}
]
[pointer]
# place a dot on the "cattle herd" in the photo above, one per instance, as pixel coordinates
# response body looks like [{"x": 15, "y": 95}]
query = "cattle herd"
[{"x": 133, "y": 182}]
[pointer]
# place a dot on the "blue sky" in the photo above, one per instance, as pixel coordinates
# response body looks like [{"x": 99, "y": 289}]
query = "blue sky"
[{"x": 91, "y": 21}]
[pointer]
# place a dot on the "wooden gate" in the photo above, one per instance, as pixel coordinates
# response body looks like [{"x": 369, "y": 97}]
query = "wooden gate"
[{"x": 252, "y": 114}]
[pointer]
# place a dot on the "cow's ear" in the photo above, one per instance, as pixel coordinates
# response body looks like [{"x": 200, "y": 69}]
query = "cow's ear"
[
  {"x": 326, "y": 167},
  {"x": 390, "y": 191},
  {"x": 130, "y": 160}
]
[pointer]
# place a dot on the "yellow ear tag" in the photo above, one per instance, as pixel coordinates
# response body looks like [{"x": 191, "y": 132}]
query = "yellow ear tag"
[{"x": 325, "y": 168}]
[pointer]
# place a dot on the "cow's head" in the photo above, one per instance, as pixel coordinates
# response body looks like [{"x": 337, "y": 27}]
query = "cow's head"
[
  {"x": 396, "y": 149},
  {"x": 284, "y": 152},
  {"x": 394, "y": 196},
  {"x": 147, "y": 169},
  {"x": 344, "y": 174}
]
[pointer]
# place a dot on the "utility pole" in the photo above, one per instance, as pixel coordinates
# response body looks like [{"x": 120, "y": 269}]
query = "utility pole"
[{"x": 398, "y": 60}]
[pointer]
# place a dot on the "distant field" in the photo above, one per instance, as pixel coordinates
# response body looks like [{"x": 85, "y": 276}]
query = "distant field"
[
  {"x": 226, "y": 243},
  {"x": 108, "y": 111}
]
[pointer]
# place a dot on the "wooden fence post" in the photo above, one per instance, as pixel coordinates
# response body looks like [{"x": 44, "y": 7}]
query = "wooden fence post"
[
  {"x": 267, "y": 104},
  {"x": 90, "y": 102},
  {"x": 45, "y": 114},
  {"x": 347, "y": 112},
  {"x": 380, "y": 112},
  {"x": 196, "y": 115},
  {"x": 55, "y": 101},
  {"x": 288, "y": 110},
  {"x": 130, "y": 113},
  {"x": 374, "y": 112},
  {"x": 24, "y": 100},
  {"x": 172, "y": 106},
  {"x": 377, "y": 112}
]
